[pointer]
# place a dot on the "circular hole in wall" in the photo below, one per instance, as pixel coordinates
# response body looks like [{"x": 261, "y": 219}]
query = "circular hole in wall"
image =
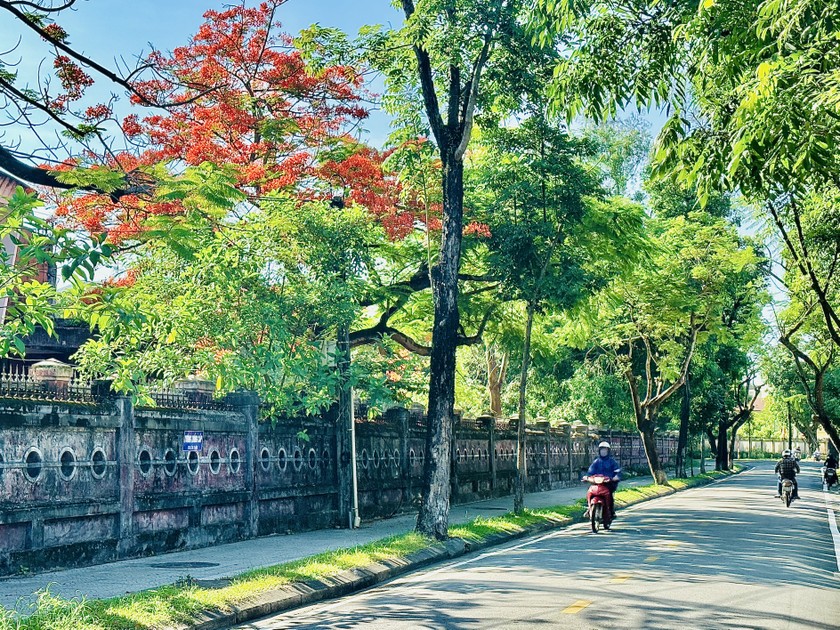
[
  {"x": 265, "y": 459},
  {"x": 396, "y": 458},
  {"x": 145, "y": 458},
  {"x": 412, "y": 458},
  {"x": 192, "y": 462},
  {"x": 313, "y": 459},
  {"x": 170, "y": 462},
  {"x": 375, "y": 458},
  {"x": 2, "y": 466},
  {"x": 298, "y": 459},
  {"x": 34, "y": 464},
  {"x": 234, "y": 461},
  {"x": 325, "y": 458},
  {"x": 281, "y": 459},
  {"x": 365, "y": 459},
  {"x": 67, "y": 463},
  {"x": 215, "y": 462},
  {"x": 99, "y": 463}
]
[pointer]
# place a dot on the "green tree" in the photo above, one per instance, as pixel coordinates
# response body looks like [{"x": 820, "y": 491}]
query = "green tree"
[
  {"x": 438, "y": 58},
  {"x": 753, "y": 97},
  {"x": 648, "y": 321},
  {"x": 541, "y": 191}
]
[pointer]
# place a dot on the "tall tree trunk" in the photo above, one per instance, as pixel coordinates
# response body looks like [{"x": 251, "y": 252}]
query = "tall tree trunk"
[
  {"x": 521, "y": 446},
  {"x": 496, "y": 374},
  {"x": 712, "y": 441},
  {"x": 822, "y": 416},
  {"x": 682, "y": 440},
  {"x": 433, "y": 517},
  {"x": 722, "y": 458},
  {"x": 647, "y": 432},
  {"x": 733, "y": 438},
  {"x": 646, "y": 425},
  {"x": 831, "y": 429}
]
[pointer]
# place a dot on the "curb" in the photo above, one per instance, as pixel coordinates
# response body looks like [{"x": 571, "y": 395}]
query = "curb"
[{"x": 354, "y": 580}]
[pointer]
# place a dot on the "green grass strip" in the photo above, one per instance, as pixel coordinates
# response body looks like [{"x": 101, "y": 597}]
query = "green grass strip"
[{"x": 180, "y": 603}]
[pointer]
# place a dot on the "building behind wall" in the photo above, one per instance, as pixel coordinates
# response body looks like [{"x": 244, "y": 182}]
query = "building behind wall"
[{"x": 69, "y": 335}]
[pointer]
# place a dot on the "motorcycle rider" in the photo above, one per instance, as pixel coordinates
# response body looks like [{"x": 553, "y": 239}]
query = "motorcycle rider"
[
  {"x": 787, "y": 468},
  {"x": 605, "y": 465},
  {"x": 830, "y": 464}
]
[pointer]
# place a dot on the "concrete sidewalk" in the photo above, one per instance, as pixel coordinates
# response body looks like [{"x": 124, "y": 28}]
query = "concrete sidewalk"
[{"x": 224, "y": 561}]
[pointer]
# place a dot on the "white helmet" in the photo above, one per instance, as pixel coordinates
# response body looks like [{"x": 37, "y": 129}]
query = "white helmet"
[
  {"x": 604, "y": 445},
  {"x": 786, "y": 453}
]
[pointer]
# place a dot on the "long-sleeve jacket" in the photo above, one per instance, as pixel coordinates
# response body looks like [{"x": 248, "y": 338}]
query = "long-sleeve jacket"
[
  {"x": 787, "y": 468},
  {"x": 606, "y": 466}
]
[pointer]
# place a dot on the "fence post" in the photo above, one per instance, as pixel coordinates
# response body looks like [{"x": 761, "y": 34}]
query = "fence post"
[
  {"x": 454, "y": 483},
  {"x": 125, "y": 448},
  {"x": 248, "y": 404},
  {"x": 399, "y": 417},
  {"x": 571, "y": 464},
  {"x": 489, "y": 423}
]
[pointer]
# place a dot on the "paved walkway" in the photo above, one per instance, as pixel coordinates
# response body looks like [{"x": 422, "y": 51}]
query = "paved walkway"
[{"x": 224, "y": 561}]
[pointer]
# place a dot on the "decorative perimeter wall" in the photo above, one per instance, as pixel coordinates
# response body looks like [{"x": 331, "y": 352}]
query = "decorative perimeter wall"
[{"x": 87, "y": 479}]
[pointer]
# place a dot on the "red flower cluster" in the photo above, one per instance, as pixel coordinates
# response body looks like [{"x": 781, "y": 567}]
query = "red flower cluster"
[
  {"x": 481, "y": 230},
  {"x": 97, "y": 112},
  {"x": 74, "y": 80},
  {"x": 248, "y": 101},
  {"x": 54, "y": 32}
]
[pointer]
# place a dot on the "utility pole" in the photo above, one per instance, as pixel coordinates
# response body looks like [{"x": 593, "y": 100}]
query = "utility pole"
[{"x": 348, "y": 485}]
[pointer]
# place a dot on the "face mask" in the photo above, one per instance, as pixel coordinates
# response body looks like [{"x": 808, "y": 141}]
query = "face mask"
[{"x": 603, "y": 452}]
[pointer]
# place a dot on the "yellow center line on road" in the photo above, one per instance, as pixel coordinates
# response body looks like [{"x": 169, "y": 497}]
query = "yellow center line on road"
[
  {"x": 620, "y": 579},
  {"x": 651, "y": 558},
  {"x": 576, "y": 607}
]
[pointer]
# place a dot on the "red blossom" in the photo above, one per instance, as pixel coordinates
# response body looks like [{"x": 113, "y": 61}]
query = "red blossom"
[
  {"x": 481, "y": 230},
  {"x": 97, "y": 112},
  {"x": 54, "y": 31},
  {"x": 73, "y": 79}
]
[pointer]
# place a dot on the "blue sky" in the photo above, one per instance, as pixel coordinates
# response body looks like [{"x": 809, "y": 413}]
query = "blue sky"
[{"x": 109, "y": 29}]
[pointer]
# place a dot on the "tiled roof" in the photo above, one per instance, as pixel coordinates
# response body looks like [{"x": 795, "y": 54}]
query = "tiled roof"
[{"x": 8, "y": 185}]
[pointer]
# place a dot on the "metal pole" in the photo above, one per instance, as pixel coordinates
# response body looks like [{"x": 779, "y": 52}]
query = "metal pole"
[{"x": 355, "y": 520}]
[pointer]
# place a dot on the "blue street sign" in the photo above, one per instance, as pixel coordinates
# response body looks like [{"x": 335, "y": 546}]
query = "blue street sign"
[{"x": 193, "y": 440}]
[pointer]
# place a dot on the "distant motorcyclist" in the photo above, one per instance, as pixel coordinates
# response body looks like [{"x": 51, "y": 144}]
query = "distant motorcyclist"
[
  {"x": 829, "y": 471},
  {"x": 605, "y": 465},
  {"x": 787, "y": 468}
]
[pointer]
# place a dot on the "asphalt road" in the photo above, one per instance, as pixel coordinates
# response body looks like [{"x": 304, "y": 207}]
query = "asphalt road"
[{"x": 729, "y": 555}]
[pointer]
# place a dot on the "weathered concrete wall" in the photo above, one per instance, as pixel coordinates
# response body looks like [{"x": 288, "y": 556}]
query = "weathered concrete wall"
[{"x": 88, "y": 483}]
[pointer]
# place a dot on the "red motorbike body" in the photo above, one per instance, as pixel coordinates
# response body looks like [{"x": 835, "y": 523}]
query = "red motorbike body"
[
  {"x": 599, "y": 502},
  {"x": 599, "y": 491}
]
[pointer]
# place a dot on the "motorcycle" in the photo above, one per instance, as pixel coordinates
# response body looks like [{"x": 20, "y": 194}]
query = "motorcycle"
[
  {"x": 598, "y": 500},
  {"x": 787, "y": 491},
  {"x": 829, "y": 476},
  {"x": 797, "y": 454},
  {"x": 817, "y": 456}
]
